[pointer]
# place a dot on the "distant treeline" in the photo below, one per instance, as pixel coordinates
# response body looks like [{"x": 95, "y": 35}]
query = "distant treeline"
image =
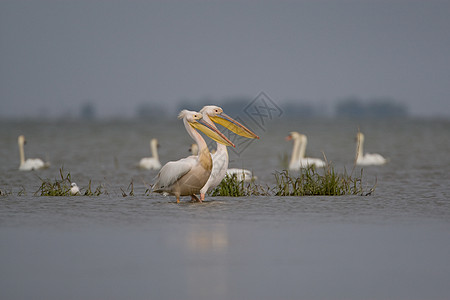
[
  {"x": 374, "y": 108},
  {"x": 351, "y": 107}
]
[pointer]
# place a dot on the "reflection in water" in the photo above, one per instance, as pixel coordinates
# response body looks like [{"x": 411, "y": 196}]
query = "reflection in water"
[
  {"x": 207, "y": 246},
  {"x": 207, "y": 239}
]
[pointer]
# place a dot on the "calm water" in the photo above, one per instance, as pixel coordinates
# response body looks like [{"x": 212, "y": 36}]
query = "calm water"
[{"x": 394, "y": 244}]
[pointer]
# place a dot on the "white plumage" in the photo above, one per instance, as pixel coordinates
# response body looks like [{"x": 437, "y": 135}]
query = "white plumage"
[
  {"x": 74, "y": 190},
  {"x": 368, "y": 158},
  {"x": 30, "y": 163},
  {"x": 241, "y": 174},
  {"x": 151, "y": 163},
  {"x": 185, "y": 177},
  {"x": 298, "y": 159},
  {"x": 212, "y": 113}
]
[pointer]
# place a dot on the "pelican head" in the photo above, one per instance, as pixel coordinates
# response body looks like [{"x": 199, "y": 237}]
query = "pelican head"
[
  {"x": 195, "y": 120},
  {"x": 216, "y": 114}
]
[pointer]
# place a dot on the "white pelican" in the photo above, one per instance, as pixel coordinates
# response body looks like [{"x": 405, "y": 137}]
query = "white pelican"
[
  {"x": 185, "y": 177},
  {"x": 74, "y": 190},
  {"x": 212, "y": 113},
  {"x": 31, "y": 163},
  {"x": 151, "y": 163},
  {"x": 368, "y": 158},
  {"x": 298, "y": 159}
]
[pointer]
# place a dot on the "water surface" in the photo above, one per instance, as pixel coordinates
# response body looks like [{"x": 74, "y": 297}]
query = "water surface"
[{"x": 391, "y": 245}]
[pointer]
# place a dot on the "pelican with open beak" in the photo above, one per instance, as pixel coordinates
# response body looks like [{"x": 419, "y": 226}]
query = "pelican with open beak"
[
  {"x": 212, "y": 113},
  {"x": 185, "y": 177}
]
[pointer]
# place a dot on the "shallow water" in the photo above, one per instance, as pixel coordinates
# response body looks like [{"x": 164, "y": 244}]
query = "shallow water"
[{"x": 391, "y": 245}]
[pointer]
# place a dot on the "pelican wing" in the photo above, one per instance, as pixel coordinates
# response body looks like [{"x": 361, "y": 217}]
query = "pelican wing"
[{"x": 173, "y": 171}]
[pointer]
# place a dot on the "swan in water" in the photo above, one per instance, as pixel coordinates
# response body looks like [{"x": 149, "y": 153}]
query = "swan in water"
[
  {"x": 212, "y": 113},
  {"x": 241, "y": 174},
  {"x": 74, "y": 190},
  {"x": 298, "y": 159},
  {"x": 151, "y": 163},
  {"x": 185, "y": 177},
  {"x": 368, "y": 158},
  {"x": 30, "y": 163}
]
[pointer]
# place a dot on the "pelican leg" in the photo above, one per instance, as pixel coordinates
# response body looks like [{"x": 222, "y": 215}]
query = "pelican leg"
[
  {"x": 178, "y": 199},
  {"x": 194, "y": 198},
  {"x": 202, "y": 197}
]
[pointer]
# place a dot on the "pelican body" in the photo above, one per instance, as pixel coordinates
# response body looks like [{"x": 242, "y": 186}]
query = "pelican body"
[
  {"x": 368, "y": 158},
  {"x": 214, "y": 114},
  {"x": 151, "y": 163},
  {"x": 187, "y": 176},
  {"x": 30, "y": 163},
  {"x": 298, "y": 159}
]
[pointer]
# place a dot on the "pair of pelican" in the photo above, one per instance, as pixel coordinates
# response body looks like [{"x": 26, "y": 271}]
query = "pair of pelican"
[
  {"x": 199, "y": 173},
  {"x": 298, "y": 159}
]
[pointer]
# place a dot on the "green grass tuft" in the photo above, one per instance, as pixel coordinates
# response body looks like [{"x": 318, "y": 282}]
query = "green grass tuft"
[
  {"x": 61, "y": 187},
  {"x": 130, "y": 188},
  {"x": 232, "y": 187},
  {"x": 98, "y": 191},
  {"x": 312, "y": 183},
  {"x": 309, "y": 182}
]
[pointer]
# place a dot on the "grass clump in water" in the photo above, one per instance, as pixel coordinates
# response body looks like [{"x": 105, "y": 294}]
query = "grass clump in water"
[
  {"x": 130, "y": 188},
  {"x": 59, "y": 187},
  {"x": 232, "y": 187},
  {"x": 98, "y": 191},
  {"x": 311, "y": 183}
]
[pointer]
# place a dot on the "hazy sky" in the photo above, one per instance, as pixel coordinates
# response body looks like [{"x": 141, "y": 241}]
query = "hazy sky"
[{"x": 56, "y": 55}]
